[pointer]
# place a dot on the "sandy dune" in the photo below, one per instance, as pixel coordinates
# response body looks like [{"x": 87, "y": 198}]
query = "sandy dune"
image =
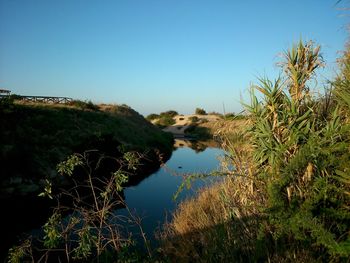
[{"x": 182, "y": 122}]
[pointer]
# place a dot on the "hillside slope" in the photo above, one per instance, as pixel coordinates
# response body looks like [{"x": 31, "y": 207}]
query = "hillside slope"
[{"x": 34, "y": 138}]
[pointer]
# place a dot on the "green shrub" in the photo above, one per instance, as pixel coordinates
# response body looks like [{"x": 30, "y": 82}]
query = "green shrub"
[
  {"x": 200, "y": 111},
  {"x": 170, "y": 113},
  {"x": 152, "y": 116},
  {"x": 194, "y": 119},
  {"x": 165, "y": 121}
]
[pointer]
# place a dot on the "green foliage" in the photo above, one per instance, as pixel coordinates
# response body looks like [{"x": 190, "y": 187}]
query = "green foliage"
[
  {"x": 86, "y": 244},
  {"x": 93, "y": 230},
  {"x": 152, "y": 116},
  {"x": 67, "y": 166},
  {"x": 301, "y": 148},
  {"x": 52, "y": 232},
  {"x": 132, "y": 159},
  {"x": 200, "y": 111},
  {"x": 169, "y": 113},
  {"x": 18, "y": 254},
  {"x": 194, "y": 119},
  {"x": 165, "y": 121},
  {"x": 47, "y": 190},
  {"x": 120, "y": 178}
]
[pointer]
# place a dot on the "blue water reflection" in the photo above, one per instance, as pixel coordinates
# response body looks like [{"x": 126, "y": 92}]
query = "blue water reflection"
[{"x": 152, "y": 199}]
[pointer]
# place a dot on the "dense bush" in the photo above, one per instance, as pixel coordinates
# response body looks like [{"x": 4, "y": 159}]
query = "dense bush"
[
  {"x": 200, "y": 111},
  {"x": 169, "y": 113},
  {"x": 193, "y": 119},
  {"x": 165, "y": 120},
  {"x": 152, "y": 116}
]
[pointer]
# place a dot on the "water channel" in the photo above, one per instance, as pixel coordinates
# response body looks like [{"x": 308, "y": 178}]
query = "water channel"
[{"x": 152, "y": 199}]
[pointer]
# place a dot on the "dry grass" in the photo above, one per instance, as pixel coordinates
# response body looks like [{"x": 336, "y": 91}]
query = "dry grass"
[
  {"x": 222, "y": 127},
  {"x": 221, "y": 223}
]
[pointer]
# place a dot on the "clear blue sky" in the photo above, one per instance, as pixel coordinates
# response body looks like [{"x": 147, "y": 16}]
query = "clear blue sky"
[{"x": 156, "y": 55}]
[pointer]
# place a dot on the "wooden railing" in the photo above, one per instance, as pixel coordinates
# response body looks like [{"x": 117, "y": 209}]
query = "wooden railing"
[
  {"x": 43, "y": 99},
  {"x": 46, "y": 99}
]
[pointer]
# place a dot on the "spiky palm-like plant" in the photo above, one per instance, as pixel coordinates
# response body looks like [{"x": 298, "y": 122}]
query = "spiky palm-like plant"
[
  {"x": 299, "y": 65},
  {"x": 301, "y": 154}
]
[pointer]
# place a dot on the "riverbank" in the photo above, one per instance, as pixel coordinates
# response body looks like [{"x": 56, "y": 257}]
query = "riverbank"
[{"x": 36, "y": 137}]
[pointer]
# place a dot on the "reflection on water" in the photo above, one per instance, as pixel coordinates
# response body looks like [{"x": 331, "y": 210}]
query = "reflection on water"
[
  {"x": 152, "y": 199},
  {"x": 198, "y": 146}
]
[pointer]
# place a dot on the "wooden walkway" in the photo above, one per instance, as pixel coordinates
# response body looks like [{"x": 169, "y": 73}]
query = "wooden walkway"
[
  {"x": 46, "y": 99},
  {"x": 42, "y": 99}
]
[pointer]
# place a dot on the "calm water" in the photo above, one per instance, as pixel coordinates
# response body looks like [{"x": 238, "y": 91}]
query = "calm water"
[{"x": 152, "y": 199}]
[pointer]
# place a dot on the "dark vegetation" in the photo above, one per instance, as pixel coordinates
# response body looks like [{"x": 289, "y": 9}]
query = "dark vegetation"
[
  {"x": 34, "y": 138},
  {"x": 199, "y": 133},
  {"x": 200, "y": 111},
  {"x": 84, "y": 105},
  {"x": 40, "y": 136},
  {"x": 163, "y": 119},
  {"x": 193, "y": 119}
]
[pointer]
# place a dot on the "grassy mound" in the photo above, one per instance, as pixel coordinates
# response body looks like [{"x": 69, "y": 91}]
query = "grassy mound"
[{"x": 34, "y": 138}]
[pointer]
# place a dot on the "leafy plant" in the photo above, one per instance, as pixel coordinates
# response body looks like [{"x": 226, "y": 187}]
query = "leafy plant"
[{"x": 92, "y": 228}]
